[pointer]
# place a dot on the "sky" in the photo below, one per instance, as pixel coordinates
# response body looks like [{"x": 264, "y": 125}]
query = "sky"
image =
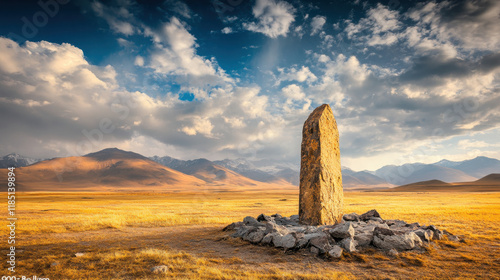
[{"x": 408, "y": 81}]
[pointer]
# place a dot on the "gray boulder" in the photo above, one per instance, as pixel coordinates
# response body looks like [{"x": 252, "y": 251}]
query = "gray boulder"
[
  {"x": 264, "y": 218},
  {"x": 255, "y": 235},
  {"x": 382, "y": 231},
  {"x": 403, "y": 242},
  {"x": 344, "y": 230},
  {"x": 335, "y": 252},
  {"x": 284, "y": 241},
  {"x": 353, "y": 217},
  {"x": 363, "y": 239},
  {"x": 366, "y": 216},
  {"x": 304, "y": 240},
  {"x": 251, "y": 221},
  {"x": 233, "y": 226},
  {"x": 348, "y": 244},
  {"x": 323, "y": 243},
  {"x": 242, "y": 231},
  {"x": 268, "y": 238},
  {"x": 423, "y": 234}
]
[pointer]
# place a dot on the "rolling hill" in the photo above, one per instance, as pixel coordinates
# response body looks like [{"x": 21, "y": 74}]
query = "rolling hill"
[
  {"x": 107, "y": 170},
  {"x": 489, "y": 183},
  {"x": 116, "y": 170}
]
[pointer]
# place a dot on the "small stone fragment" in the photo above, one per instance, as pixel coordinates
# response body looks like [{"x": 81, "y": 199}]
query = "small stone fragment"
[
  {"x": 314, "y": 250},
  {"x": 453, "y": 238},
  {"x": 335, "y": 252},
  {"x": 393, "y": 253},
  {"x": 160, "y": 269}
]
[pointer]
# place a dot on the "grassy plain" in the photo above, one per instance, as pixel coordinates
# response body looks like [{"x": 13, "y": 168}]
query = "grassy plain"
[{"x": 123, "y": 235}]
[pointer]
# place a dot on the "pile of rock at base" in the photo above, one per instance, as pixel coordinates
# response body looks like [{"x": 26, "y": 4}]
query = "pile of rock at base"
[{"x": 354, "y": 233}]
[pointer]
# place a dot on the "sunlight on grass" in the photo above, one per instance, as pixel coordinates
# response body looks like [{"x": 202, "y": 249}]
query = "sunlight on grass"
[{"x": 476, "y": 216}]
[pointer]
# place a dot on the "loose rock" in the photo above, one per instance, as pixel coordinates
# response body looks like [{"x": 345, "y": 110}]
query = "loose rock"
[
  {"x": 160, "y": 269},
  {"x": 341, "y": 231},
  {"x": 335, "y": 252},
  {"x": 389, "y": 235}
]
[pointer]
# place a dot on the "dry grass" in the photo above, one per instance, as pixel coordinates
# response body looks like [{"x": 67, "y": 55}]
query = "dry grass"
[{"x": 124, "y": 235}]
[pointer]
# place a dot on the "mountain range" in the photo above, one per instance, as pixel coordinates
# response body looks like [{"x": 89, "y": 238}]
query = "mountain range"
[
  {"x": 245, "y": 173},
  {"x": 116, "y": 170}
]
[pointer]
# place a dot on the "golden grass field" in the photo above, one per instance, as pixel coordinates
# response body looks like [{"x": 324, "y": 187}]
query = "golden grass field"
[{"x": 123, "y": 236}]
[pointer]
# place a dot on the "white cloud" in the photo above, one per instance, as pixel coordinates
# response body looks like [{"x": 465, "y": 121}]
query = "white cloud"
[
  {"x": 380, "y": 22},
  {"x": 175, "y": 53},
  {"x": 301, "y": 75},
  {"x": 227, "y": 30},
  {"x": 293, "y": 92},
  {"x": 139, "y": 61},
  {"x": 468, "y": 144},
  {"x": 317, "y": 23},
  {"x": 474, "y": 24},
  {"x": 119, "y": 18},
  {"x": 273, "y": 18},
  {"x": 66, "y": 99}
]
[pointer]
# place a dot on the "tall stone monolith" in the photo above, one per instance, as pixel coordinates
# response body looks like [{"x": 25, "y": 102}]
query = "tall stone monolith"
[{"x": 321, "y": 195}]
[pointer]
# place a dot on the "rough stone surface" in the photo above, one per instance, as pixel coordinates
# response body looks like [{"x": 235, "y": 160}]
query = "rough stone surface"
[
  {"x": 321, "y": 194},
  {"x": 390, "y": 236}
]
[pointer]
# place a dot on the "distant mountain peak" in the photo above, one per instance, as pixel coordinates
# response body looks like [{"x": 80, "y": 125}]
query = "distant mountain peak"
[
  {"x": 16, "y": 160},
  {"x": 114, "y": 153}
]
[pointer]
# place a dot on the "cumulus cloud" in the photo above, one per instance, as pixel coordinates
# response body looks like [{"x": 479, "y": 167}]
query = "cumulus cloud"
[
  {"x": 317, "y": 23},
  {"x": 474, "y": 24},
  {"x": 75, "y": 107},
  {"x": 301, "y": 75},
  {"x": 380, "y": 23},
  {"x": 175, "y": 53},
  {"x": 273, "y": 18}
]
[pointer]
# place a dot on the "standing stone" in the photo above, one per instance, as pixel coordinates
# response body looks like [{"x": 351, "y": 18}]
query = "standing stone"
[{"x": 321, "y": 195}]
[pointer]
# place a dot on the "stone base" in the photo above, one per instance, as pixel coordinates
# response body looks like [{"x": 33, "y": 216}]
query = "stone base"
[{"x": 355, "y": 233}]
